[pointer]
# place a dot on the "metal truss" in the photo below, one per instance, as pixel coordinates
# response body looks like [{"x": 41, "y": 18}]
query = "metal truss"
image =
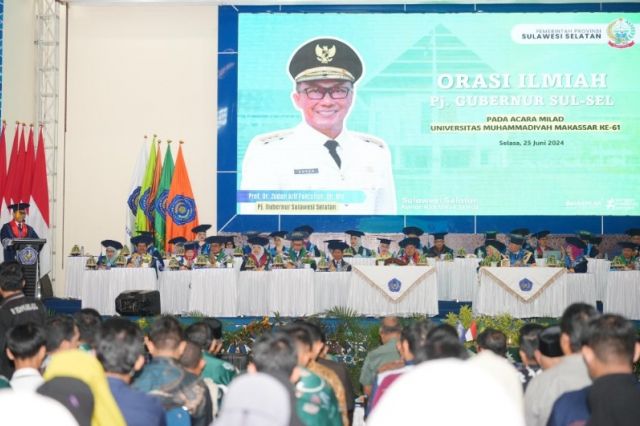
[{"x": 47, "y": 44}]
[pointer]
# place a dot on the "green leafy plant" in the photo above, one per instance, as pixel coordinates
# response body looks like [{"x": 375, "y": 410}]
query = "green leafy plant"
[{"x": 505, "y": 323}]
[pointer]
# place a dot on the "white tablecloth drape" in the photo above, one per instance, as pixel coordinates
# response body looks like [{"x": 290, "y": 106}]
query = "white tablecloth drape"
[
  {"x": 600, "y": 268},
  {"x": 581, "y": 288},
  {"x": 457, "y": 280},
  {"x": 493, "y": 299},
  {"x": 74, "y": 268},
  {"x": 367, "y": 299},
  {"x": 331, "y": 290},
  {"x": 291, "y": 292},
  {"x": 100, "y": 288},
  {"x": 357, "y": 261},
  {"x": 623, "y": 294},
  {"x": 174, "y": 291},
  {"x": 214, "y": 292},
  {"x": 253, "y": 293}
]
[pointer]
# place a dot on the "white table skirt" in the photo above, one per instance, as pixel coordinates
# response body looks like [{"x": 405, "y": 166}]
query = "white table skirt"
[
  {"x": 174, "y": 291},
  {"x": 100, "y": 288},
  {"x": 457, "y": 280},
  {"x": 291, "y": 292},
  {"x": 74, "y": 268},
  {"x": 623, "y": 294},
  {"x": 357, "y": 261},
  {"x": 366, "y": 299},
  {"x": 581, "y": 288},
  {"x": 214, "y": 292},
  {"x": 492, "y": 299},
  {"x": 600, "y": 268},
  {"x": 253, "y": 293},
  {"x": 331, "y": 290}
]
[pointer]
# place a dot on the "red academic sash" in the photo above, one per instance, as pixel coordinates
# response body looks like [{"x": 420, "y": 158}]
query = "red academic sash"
[
  {"x": 416, "y": 258},
  {"x": 259, "y": 263},
  {"x": 16, "y": 231}
]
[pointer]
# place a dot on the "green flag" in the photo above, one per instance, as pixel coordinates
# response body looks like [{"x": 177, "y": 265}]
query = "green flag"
[
  {"x": 142, "y": 224},
  {"x": 160, "y": 207}
]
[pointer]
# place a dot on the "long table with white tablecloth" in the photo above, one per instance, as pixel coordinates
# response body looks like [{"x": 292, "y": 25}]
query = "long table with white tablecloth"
[{"x": 229, "y": 292}]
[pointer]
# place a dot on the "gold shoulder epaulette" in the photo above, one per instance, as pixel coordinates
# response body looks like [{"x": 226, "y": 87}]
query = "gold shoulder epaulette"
[
  {"x": 268, "y": 138},
  {"x": 370, "y": 139}
]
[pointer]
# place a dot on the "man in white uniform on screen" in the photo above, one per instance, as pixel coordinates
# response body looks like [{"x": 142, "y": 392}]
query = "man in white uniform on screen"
[{"x": 320, "y": 153}]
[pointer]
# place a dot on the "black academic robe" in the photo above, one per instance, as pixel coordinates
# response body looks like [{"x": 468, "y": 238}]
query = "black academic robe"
[
  {"x": 434, "y": 253},
  {"x": 9, "y": 232}
]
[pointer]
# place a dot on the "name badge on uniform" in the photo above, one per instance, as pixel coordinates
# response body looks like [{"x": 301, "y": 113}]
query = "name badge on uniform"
[{"x": 306, "y": 171}]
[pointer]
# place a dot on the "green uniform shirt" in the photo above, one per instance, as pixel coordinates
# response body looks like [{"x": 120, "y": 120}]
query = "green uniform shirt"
[
  {"x": 375, "y": 359},
  {"x": 4, "y": 383},
  {"x": 219, "y": 371},
  {"x": 316, "y": 404}
]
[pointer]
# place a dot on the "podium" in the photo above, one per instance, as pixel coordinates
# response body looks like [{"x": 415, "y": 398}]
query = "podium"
[{"x": 28, "y": 255}]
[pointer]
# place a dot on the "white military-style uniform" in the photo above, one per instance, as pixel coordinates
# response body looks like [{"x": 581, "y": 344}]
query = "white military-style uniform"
[{"x": 296, "y": 159}]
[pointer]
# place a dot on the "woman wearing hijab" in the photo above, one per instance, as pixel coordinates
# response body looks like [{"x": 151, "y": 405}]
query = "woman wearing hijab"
[
  {"x": 85, "y": 367},
  {"x": 258, "y": 259},
  {"x": 112, "y": 249}
]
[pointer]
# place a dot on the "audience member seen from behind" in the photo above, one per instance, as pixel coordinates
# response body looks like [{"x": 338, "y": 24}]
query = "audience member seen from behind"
[
  {"x": 119, "y": 347},
  {"x": 207, "y": 334},
  {"x": 74, "y": 394},
  {"x": 316, "y": 403},
  {"x": 276, "y": 354},
  {"x": 16, "y": 308},
  {"x": 528, "y": 340},
  {"x": 165, "y": 378},
  {"x": 390, "y": 329},
  {"x": 342, "y": 372},
  {"x": 62, "y": 335},
  {"x": 569, "y": 374},
  {"x": 492, "y": 340},
  {"x": 83, "y": 366},
  {"x": 256, "y": 399},
  {"x": 447, "y": 392},
  {"x": 26, "y": 347},
  {"x": 492, "y": 358},
  {"x": 327, "y": 374},
  {"x": 413, "y": 350},
  {"x": 443, "y": 342},
  {"x": 193, "y": 363},
  {"x": 614, "y": 397},
  {"x": 88, "y": 321}
]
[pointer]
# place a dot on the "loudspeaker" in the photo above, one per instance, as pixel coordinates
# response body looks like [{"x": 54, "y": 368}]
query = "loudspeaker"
[
  {"x": 138, "y": 303},
  {"x": 46, "y": 289}
]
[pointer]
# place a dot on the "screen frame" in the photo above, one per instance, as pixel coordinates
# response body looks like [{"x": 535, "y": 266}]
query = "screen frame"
[{"x": 228, "y": 220}]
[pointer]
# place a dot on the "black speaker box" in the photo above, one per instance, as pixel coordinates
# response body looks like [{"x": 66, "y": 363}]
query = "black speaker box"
[{"x": 138, "y": 303}]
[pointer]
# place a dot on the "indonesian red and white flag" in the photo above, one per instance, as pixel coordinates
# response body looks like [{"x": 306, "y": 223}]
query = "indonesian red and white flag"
[{"x": 39, "y": 210}]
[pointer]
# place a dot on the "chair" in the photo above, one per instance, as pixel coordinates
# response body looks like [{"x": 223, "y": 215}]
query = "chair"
[{"x": 178, "y": 417}]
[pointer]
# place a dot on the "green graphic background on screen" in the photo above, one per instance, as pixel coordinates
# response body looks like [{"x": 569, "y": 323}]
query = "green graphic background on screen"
[{"x": 591, "y": 174}]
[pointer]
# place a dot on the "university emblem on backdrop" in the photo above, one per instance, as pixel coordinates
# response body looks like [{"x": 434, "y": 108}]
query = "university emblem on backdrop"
[
  {"x": 144, "y": 203},
  {"x": 28, "y": 256},
  {"x": 133, "y": 200},
  {"x": 182, "y": 210},
  {"x": 525, "y": 284},
  {"x": 394, "y": 285},
  {"x": 161, "y": 202}
]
